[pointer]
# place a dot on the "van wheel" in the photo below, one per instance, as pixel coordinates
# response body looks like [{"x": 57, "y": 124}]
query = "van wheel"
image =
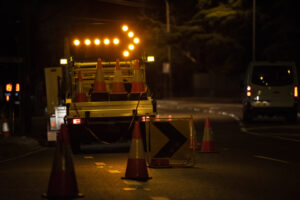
[
  {"x": 292, "y": 117},
  {"x": 247, "y": 116}
]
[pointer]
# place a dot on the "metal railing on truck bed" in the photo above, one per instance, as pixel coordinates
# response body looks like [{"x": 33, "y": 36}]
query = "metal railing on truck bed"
[{"x": 88, "y": 72}]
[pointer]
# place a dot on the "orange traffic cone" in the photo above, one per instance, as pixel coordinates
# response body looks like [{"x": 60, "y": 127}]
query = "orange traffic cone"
[
  {"x": 136, "y": 164},
  {"x": 118, "y": 91},
  {"x": 193, "y": 136},
  {"x": 99, "y": 89},
  {"x": 137, "y": 86},
  {"x": 80, "y": 95},
  {"x": 62, "y": 183},
  {"x": 137, "y": 82},
  {"x": 5, "y": 128},
  {"x": 207, "y": 141}
]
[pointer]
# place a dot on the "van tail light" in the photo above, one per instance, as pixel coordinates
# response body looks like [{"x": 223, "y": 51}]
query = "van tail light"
[
  {"x": 76, "y": 121},
  {"x": 248, "y": 91},
  {"x": 296, "y": 91}
]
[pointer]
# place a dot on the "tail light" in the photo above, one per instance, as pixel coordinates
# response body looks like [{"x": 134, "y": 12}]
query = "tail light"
[
  {"x": 296, "y": 91},
  {"x": 248, "y": 91},
  {"x": 76, "y": 121}
]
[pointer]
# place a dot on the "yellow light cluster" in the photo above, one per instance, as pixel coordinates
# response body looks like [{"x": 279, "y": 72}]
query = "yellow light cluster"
[
  {"x": 135, "y": 40},
  {"x": 97, "y": 41},
  {"x": 115, "y": 41}
]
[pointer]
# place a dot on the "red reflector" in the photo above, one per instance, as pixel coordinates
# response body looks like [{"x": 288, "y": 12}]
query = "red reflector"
[
  {"x": 8, "y": 87},
  {"x": 76, "y": 121},
  {"x": 296, "y": 91}
]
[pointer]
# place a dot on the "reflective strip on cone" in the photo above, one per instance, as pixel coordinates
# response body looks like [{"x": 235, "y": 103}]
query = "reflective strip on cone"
[
  {"x": 5, "y": 128},
  {"x": 80, "y": 95},
  {"x": 99, "y": 84},
  {"x": 207, "y": 141},
  {"x": 137, "y": 85},
  {"x": 118, "y": 85}
]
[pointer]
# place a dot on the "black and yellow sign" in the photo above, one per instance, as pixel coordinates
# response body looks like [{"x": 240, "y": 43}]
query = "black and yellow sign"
[{"x": 169, "y": 139}]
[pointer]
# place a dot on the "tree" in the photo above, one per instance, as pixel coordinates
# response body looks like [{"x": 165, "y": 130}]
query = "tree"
[{"x": 214, "y": 38}]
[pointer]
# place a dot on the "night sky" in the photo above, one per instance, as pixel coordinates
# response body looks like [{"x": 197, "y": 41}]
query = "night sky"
[{"x": 34, "y": 31}]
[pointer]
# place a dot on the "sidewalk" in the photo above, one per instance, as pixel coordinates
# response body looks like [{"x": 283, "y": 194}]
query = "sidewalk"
[{"x": 16, "y": 146}]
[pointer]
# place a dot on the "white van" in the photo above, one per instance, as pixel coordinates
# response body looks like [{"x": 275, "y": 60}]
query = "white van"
[{"x": 271, "y": 88}]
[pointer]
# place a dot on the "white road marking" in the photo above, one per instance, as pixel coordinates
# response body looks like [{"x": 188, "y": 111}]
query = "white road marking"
[
  {"x": 88, "y": 157},
  {"x": 24, "y": 155},
  {"x": 246, "y": 130},
  {"x": 114, "y": 171},
  {"x": 272, "y": 159},
  {"x": 100, "y": 164},
  {"x": 129, "y": 189},
  {"x": 160, "y": 198}
]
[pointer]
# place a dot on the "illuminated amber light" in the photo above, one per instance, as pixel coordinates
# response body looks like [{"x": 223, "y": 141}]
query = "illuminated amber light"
[
  {"x": 248, "y": 91},
  {"x": 136, "y": 40},
  {"x": 17, "y": 87},
  {"x": 8, "y": 87},
  {"x": 63, "y": 61},
  {"x": 125, "y": 28},
  {"x": 116, "y": 41},
  {"x": 87, "y": 42},
  {"x": 106, "y": 41},
  {"x": 7, "y": 98},
  {"x": 76, "y": 42},
  {"x": 296, "y": 91},
  {"x": 97, "y": 42},
  {"x": 130, "y": 34},
  {"x": 125, "y": 53},
  {"x": 150, "y": 59},
  {"x": 131, "y": 47}
]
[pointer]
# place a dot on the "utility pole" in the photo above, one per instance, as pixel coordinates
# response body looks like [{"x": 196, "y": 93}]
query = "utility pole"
[
  {"x": 253, "y": 29},
  {"x": 169, "y": 47}
]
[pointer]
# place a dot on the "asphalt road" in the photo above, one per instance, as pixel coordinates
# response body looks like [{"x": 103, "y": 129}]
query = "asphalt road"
[{"x": 253, "y": 161}]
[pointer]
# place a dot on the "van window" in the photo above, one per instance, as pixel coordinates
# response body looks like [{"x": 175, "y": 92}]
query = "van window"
[{"x": 272, "y": 75}]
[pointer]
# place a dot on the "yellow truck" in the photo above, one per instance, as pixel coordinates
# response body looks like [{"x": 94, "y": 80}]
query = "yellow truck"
[
  {"x": 73, "y": 95},
  {"x": 104, "y": 117}
]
